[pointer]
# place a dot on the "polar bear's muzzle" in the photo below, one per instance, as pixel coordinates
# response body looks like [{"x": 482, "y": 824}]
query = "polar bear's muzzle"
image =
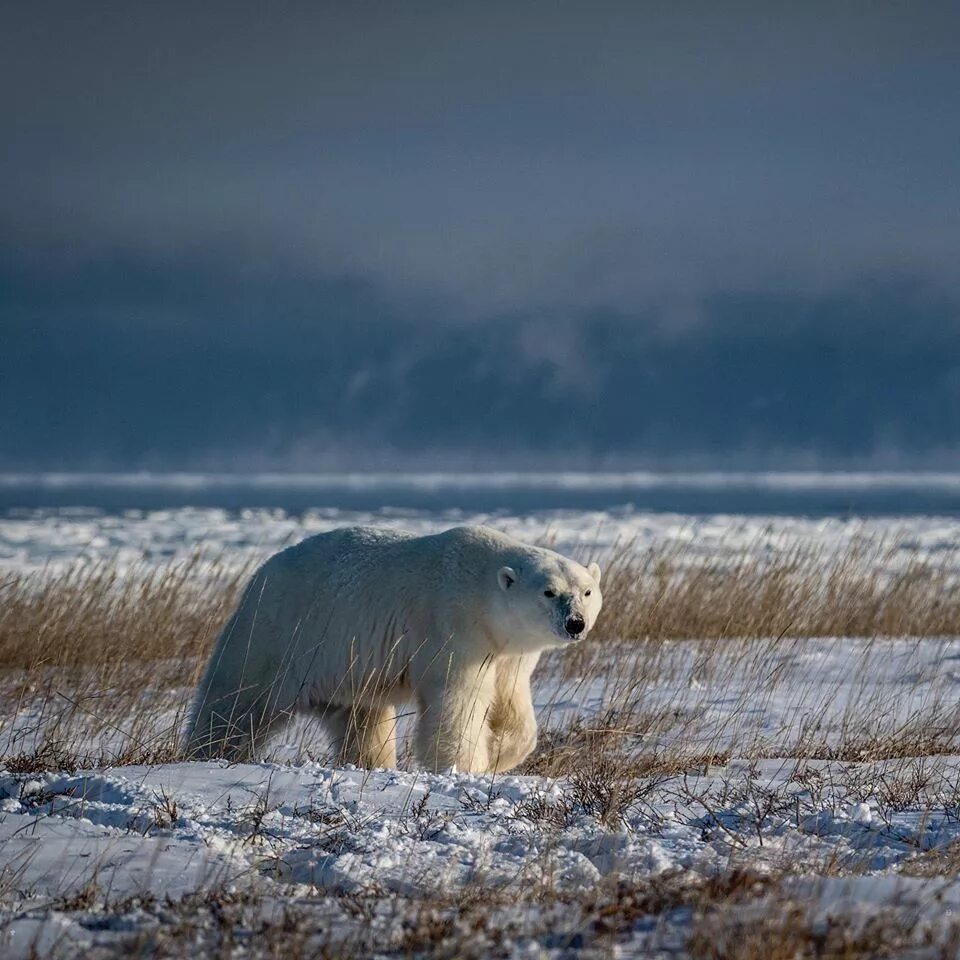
[{"x": 571, "y": 624}]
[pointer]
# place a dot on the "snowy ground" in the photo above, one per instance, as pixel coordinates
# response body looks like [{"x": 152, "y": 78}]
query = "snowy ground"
[
  {"x": 323, "y": 839},
  {"x": 829, "y": 770},
  {"x": 48, "y": 538},
  {"x": 723, "y": 798}
]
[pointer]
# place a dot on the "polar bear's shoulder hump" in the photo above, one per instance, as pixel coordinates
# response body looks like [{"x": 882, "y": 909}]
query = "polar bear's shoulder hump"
[
  {"x": 338, "y": 545},
  {"x": 362, "y": 544}
]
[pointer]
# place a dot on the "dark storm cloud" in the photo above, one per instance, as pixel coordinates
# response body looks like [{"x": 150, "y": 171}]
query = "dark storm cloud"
[
  {"x": 171, "y": 363},
  {"x": 299, "y": 233},
  {"x": 502, "y": 155}
]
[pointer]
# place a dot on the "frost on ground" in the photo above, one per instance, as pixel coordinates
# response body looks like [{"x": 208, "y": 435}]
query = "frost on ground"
[
  {"x": 390, "y": 863},
  {"x": 707, "y": 794},
  {"x": 755, "y": 798}
]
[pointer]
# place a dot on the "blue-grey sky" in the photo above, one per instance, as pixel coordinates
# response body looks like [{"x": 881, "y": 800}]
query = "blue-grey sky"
[{"x": 297, "y": 233}]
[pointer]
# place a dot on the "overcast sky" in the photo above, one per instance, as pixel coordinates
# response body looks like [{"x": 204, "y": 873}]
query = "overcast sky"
[{"x": 466, "y": 163}]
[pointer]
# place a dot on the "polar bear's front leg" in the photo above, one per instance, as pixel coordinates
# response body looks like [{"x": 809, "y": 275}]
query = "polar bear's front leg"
[
  {"x": 513, "y": 723},
  {"x": 453, "y": 729}
]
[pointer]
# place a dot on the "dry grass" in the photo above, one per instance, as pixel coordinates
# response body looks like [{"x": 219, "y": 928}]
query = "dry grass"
[
  {"x": 782, "y": 929},
  {"x": 939, "y": 862},
  {"x": 99, "y": 653},
  {"x": 94, "y": 614},
  {"x": 106, "y": 650},
  {"x": 606, "y": 746},
  {"x": 665, "y": 595},
  {"x": 739, "y": 914}
]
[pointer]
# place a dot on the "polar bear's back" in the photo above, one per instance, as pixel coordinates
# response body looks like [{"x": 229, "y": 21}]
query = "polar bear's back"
[
  {"x": 377, "y": 599},
  {"x": 347, "y": 573},
  {"x": 360, "y": 590},
  {"x": 350, "y": 556},
  {"x": 342, "y": 553}
]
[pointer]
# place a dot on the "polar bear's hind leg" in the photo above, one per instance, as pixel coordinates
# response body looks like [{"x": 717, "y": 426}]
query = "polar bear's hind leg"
[
  {"x": 365, "y": 736},
  {"x": 234, "y": 727}
]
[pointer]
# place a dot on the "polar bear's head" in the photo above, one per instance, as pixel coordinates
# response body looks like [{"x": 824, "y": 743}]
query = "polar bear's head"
[{"x": 546, "y": 600}]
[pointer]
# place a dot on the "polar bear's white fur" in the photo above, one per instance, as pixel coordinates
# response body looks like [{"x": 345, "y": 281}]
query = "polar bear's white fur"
[{"x": 352, "y": 624}]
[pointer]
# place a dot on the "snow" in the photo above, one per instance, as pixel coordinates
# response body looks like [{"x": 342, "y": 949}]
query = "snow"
[
  {"x": 829, "y": 765},
  {"x": 748, "y": 779},
  {"x": 310, "y": 830},
  {"x": 53, "y": 539}
]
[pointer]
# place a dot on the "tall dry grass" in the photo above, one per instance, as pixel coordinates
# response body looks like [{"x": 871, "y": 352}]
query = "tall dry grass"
[
  {"x": 94, "y": 655},
  {"x": 96, "y": 615},
  {"x": 665, "y": 594},
  {"x": 106, "y": 650}
]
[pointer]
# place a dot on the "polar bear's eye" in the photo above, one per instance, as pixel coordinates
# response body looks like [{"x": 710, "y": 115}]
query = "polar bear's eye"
[
  {"x": 549, "y": 593},
  {"x": 587, "y": 593}
]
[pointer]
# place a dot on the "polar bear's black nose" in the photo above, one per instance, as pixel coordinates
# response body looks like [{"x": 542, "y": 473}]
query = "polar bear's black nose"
[{"x": 575, "y": 625}]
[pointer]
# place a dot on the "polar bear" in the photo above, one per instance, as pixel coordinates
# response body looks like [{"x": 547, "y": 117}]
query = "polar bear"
[{"x": 351, "y": 625}]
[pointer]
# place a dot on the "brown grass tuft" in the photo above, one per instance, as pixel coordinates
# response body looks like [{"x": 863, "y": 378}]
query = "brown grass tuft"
[
  {"x": 96, "y": 614},
  {"x": 98, "y": 654},
  {"x": 664, "y": 595},
  {"x": 783, "y": 929}
]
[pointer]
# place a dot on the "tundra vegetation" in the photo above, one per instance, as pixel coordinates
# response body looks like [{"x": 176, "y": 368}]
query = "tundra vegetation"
[{"x": 749, "y": 757}]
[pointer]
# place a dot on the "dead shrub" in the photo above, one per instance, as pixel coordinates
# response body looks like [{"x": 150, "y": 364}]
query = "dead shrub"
[{"x": 780, "y": 928}]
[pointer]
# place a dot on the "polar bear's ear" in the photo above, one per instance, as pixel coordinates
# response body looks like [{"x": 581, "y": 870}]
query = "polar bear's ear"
[
  {"x": 506, "y": 577},
  {"x": 594, "y": 571}
]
